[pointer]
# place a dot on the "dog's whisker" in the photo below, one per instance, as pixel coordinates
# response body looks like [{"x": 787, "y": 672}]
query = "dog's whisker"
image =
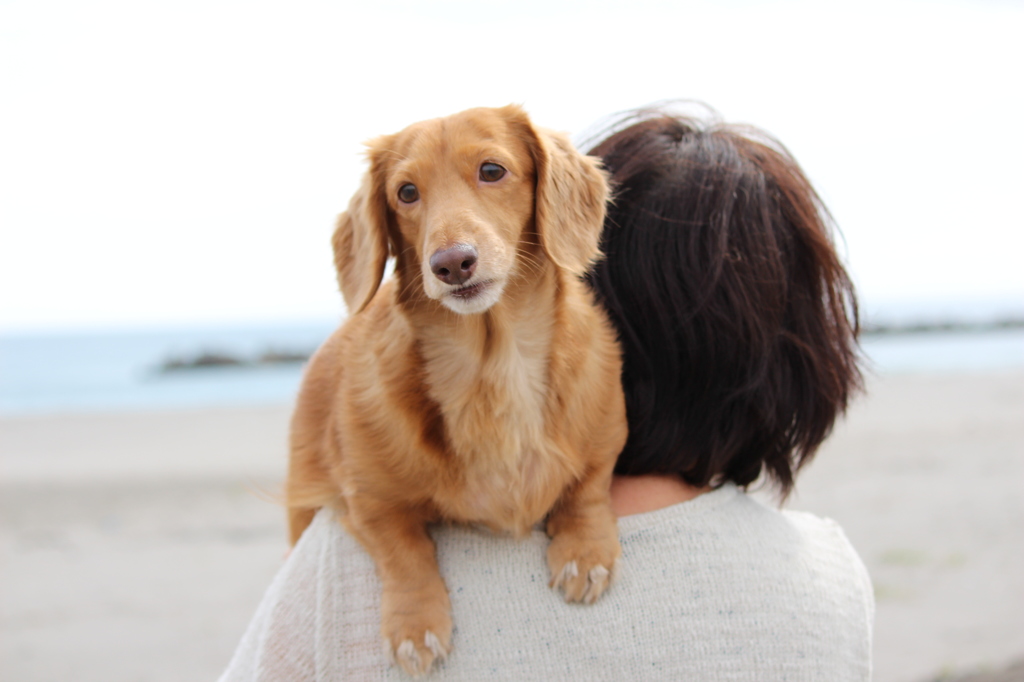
[
  {"x": 531, "y": 264},
  {"x": 409, "y": 286}
]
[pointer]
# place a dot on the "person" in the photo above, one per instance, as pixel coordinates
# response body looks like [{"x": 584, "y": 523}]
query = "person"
[{"x": 738, "y": 327}]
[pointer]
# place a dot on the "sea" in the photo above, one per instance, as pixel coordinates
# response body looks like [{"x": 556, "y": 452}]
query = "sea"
[{"x": 159, "y": 369}]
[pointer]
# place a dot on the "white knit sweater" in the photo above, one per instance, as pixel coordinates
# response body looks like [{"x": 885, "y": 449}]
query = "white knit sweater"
[{"x": 717, "y": 588}]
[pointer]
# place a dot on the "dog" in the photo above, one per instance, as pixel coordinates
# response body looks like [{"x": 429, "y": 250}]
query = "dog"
[{"x": 480, "y": 384}]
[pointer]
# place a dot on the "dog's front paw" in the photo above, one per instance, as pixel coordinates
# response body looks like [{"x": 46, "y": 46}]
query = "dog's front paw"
[
  {"x": 582, "y": 569},
  {"x": 416, "y": 635}
]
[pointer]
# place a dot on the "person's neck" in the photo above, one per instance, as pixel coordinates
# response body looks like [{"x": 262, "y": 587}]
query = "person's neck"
[{"x": 639, "y": 494}]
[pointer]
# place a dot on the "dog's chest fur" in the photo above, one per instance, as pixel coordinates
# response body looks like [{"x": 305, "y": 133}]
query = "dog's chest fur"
[{"x": 492, "y": 389}]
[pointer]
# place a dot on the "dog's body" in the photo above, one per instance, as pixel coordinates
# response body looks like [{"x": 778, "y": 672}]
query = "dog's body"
[{"x": 482, "y": 383}]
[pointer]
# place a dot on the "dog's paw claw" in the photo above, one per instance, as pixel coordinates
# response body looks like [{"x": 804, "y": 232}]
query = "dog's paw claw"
[
  {"x": 409, "y": 658},
  {"x": 598, "y": 579},
  {"x": 569, "y": 571},
  {"x": 585, "y": 588},
  {"x": 431, "y": 641},
  {"x": 582, "y": 572},
  {"x": 417, "y": 660}
]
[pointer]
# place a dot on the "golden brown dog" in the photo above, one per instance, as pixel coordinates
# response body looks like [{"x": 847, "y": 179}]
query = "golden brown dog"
[{"x": 481, "y": 384}]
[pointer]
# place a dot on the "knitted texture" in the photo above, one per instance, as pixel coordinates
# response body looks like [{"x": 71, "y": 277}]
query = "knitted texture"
[{"x": 717, "y": 588}]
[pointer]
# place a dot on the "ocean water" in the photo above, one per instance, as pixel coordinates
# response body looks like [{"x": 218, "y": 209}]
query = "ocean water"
[{"x": 122, "y": 371}]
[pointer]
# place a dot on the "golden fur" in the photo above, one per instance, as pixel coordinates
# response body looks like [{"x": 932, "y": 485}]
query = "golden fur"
[{"x": 501, "y": 405}]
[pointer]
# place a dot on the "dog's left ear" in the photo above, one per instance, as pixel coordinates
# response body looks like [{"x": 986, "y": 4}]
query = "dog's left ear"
[{"x": 572, "y": 191}]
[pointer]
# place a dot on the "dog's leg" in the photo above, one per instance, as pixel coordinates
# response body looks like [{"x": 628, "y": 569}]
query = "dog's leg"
[
  {"x": 584, "y": 539},
  {"x": 416, "y": 621},
  {"x": 307, "y": 488}
]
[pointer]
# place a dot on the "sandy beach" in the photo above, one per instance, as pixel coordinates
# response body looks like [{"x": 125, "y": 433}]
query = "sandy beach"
[{"x": 135, "y": 546}]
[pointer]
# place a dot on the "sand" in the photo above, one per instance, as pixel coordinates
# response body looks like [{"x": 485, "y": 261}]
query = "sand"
[{"x": 136, "y": 546}]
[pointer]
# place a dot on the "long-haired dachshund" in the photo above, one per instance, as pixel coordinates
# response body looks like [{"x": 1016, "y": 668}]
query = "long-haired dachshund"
[{"x": 481, "y": 383}]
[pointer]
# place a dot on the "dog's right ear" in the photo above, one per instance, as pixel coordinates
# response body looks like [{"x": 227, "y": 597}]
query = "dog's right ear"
[{"x": 361, "y": 242}]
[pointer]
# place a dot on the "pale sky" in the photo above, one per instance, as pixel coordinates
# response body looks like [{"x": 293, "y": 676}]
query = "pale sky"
[{"x": 165, "y": 163}]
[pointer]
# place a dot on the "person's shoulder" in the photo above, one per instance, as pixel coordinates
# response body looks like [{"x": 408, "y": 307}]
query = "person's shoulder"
[
  {"x": 812, "y": 538},
  {"x": 726, "y": 513},
  {"x": 816, "y": 554},
  {"x": 824, "y": 543},
  {"x": 781, "y": 587},
  {"x": 823, "y": 532},
  {"x": 731, "y": 510},
  {"x": 727, "y": 527}
]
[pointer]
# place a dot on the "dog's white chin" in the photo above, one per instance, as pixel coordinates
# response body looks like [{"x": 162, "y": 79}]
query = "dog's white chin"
[{"x": 488, "y": 295}]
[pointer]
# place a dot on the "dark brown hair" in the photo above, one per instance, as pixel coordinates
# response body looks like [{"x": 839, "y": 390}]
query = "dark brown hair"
[{"x": 737, "y": 320}]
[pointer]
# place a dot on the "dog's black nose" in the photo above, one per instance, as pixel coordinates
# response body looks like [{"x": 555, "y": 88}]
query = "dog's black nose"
[{"x": 454, "y": 265}]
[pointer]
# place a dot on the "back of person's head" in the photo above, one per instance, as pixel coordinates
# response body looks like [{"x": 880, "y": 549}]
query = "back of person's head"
[{"x": 737, "y": 320}]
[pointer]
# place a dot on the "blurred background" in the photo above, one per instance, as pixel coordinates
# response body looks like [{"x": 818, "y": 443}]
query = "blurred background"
[{"x": 171, "y": 173}]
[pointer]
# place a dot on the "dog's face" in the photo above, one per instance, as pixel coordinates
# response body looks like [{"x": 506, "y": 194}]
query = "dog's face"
[
  {"x": 464, "y": 202},
  {"x": 461, "y": 191}
]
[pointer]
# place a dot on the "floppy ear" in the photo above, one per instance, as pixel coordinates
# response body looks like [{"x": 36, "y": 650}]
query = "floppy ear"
[
  {"x": 360, "y": 243},
  {"x": 572, "y": 191}
]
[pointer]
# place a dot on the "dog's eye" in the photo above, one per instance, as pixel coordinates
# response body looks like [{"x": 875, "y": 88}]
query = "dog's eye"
[
  {"x": 408, "y": 193},
  {"x": 491, "y": 172}
]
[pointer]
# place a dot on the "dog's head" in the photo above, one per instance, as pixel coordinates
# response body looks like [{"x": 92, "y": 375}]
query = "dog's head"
[{"x": 463, "y": 203}]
